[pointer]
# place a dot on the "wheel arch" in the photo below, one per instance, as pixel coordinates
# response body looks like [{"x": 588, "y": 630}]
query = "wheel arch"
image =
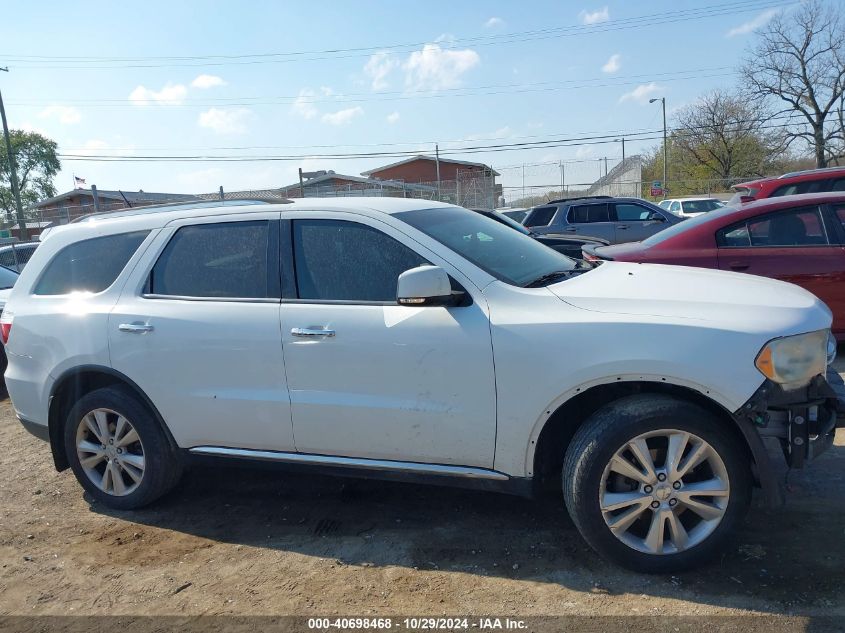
[
  {"x": 553, "y": 435},
  {"x": 74, "y": 383}
]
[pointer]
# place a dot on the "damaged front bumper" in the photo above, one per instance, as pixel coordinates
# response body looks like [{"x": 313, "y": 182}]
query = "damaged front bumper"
[{"x": 804, "y": 420}]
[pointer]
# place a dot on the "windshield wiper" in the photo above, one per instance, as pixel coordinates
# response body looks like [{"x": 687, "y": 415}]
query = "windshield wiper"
[{"x": 548, "y": 278}]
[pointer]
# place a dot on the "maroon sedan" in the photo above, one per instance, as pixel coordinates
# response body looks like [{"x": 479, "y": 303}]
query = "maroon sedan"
[{"x": 800, "y": 239}]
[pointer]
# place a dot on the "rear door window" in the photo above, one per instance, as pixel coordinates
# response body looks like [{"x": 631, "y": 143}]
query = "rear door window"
[
  {"x": 588, "y": 213},
  {"x": 89, "y": 265},
  {"x": 541, "y": 216},
  {"x": 628, "y": 212},
  {"x": 226, "y": 260}
]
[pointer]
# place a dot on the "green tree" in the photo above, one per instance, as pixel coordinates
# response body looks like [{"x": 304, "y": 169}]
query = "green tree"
[{"x": 37, "y": 164}]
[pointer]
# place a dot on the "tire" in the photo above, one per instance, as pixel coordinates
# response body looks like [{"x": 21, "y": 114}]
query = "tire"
[
  {"x": 152, "y": 455},
  {"x": 654, "y": 542}
]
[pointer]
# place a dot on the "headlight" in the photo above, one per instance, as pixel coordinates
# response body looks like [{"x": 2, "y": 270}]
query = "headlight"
[{"x": 793, "y": 360}]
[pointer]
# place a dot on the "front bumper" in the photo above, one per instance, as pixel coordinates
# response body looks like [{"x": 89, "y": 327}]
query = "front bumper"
[{"x": 803, "y": 420}]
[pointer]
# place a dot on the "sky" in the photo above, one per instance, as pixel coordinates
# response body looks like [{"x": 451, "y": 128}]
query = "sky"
[{"x": 295, "y": 80}]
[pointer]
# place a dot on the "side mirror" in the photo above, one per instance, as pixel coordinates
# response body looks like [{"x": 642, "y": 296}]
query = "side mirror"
[
  {"x": 425, "y": 286},
  {"x": 746, "y": 199},
  {"x": 656, "y": 217}
]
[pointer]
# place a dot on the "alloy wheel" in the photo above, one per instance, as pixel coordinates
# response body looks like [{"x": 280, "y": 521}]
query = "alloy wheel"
[
  {"x": 110, "y": 452},
  {"x": 664, "y": 492}
]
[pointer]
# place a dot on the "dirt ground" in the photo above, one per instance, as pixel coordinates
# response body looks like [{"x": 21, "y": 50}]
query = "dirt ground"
[{"x": 239, "y": 541}]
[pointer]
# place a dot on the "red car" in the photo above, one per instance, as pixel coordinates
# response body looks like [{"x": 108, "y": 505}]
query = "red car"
[
  {"x": 793, "y": 183},
  {"x": 800, "y": 239}
]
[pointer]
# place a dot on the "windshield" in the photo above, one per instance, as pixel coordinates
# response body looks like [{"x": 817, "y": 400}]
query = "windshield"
[
  {"x": 680, "y": 227},
  {"x": 508, "y": 255},
  {"x": 502, "y": 218},
  {"x": 701, "y": 206},
  {"x": 8, "y": 277}
]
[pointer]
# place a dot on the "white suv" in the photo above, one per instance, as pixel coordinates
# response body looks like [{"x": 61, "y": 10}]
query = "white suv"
[{"x": 407, "y": 338}]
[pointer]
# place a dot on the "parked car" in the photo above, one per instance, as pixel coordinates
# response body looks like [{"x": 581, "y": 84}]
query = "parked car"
[
  {"x": 569, "y": 245},
  {"x": 16, "y": 255},
  {"x": 613, "y": 219},
  {"x": 799, "y": 239},
  {"x": 691, "y": 207},
  {"x": 793, "y": 183},
  {"x": 359, "y": 335},
  {"x": 518, "y": 215},
  {"x": 8, "y": 278}
]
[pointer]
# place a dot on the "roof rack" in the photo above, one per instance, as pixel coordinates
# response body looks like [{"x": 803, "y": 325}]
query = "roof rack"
[
  {"x": 578, "y": 198},
  {"x": 167, "y": 206},
  {"x": 802, "y": 172}
]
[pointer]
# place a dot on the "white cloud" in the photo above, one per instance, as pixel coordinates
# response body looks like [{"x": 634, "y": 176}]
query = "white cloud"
[
  {"x": 434, "y": 68},
  {"x": 341, "y": 117},
  {"x": 327, "y": 92},
  {"x": 393, "y": 117},
  {"x": 494, "y": 22},
  {"x": 225, "y": 121},
  {"x": 65, "y": 114},
  {"x": 753, "y": 24},
  {"x": 595, "y": 17},
  {"x": 207, "y": 81},
  {"x": 584, "y": 152},
  {"x": 378, "y": 67},
  {"x": 171, "y": 94},
  {"x": 612, "y": 64},
  {"x": 641, "y": 93},
  {"x": 303, "y": 105}
]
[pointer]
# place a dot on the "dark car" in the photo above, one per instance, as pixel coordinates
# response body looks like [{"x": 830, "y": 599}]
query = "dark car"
[
  {"x": 800, "y": 239},
  {"x": 569, "y": 245},
  {"x": 613, "y": 219},
  {"x": 17, "y": 254},
  {"x": 793, "y": 183}
]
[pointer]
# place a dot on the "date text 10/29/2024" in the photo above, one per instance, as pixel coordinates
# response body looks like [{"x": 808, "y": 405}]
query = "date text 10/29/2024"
[{"x": 418, "y": 624}]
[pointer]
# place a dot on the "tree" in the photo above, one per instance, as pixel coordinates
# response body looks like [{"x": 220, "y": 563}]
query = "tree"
[
  {"x": 723, "y": 136},
  {"x": 37, "y": 164},
  {"x": 799, "y": 60}
]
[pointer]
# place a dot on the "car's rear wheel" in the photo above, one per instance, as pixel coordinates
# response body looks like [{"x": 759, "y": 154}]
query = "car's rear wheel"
[
  {"x": 656, "y": 484},
  {"x": 118, "y": 450}
]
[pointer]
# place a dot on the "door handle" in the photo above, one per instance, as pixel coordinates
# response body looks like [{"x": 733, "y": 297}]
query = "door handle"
[
  {"x": 621, "y": 226},
  {"x": 738, "y": 266},
  {"x": 570, "y": 229},
  {"x": 311, "y": 331},
  {"x": 135, "y": 328}
]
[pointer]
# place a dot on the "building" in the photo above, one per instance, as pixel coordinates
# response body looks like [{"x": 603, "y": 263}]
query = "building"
[
  {"x": 72, "y": 204},
  {"x": 326, "y": 184},
  {"x": 424, "y": 169}
]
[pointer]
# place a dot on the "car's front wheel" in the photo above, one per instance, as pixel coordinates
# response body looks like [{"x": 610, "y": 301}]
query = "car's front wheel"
[
  {"x": 118, "y": 450},
  {"x": 656, "y": 484}
]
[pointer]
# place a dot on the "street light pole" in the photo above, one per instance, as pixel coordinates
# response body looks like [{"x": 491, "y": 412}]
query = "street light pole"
[
  {"x": 13, "y": 171},
  {"x": 662, "y": 100}
]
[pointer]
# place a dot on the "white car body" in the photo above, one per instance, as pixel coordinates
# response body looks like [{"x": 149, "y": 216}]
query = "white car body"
[
  {"x": 433, "y": 389},
  {"x": 685, "y": 207},
  {"x": 417, "y": 340}
]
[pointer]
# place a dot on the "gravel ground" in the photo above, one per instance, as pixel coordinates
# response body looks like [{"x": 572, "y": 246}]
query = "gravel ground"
[{"x": 243, "y": 542}]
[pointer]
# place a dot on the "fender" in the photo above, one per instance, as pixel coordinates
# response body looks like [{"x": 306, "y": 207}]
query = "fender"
[
  {"x": 766, "y": 474},
  {"x": 56, "y": 424}
]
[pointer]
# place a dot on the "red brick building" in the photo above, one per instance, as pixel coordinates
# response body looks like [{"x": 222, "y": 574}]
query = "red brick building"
[{"x": 424, "y": 169}]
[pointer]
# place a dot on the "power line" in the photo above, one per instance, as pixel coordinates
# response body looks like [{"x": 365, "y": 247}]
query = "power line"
[
  {"x": 657, "y": 19},
  {"x": 476, "y": 149},
  {"x": 567, "y": 84}
]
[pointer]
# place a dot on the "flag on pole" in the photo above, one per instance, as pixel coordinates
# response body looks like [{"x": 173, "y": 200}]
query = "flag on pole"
[{"x": 79, "y": 182}]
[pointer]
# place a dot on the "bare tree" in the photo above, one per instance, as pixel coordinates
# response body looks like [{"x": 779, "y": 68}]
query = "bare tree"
[
  {"x": 725, "y": 136},
  {"x": 799, "y": 59}
]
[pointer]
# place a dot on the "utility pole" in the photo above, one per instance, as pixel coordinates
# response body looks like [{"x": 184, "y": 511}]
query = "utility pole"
[
  {"x": 13, "y": 171},
  {"x": 437, "y": 164},
  {"x": 301, "y": 188},
  {"x": 523, "y": 182},
  {"x": 562, "y": 179},
  {"x": 623, "y": 149},
  {"x": 662, "y": 100},
  {"x": 96, "y": 198}
]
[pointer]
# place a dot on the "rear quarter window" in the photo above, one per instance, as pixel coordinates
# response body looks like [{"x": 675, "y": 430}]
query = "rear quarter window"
[{"x": 88, "y": 265}]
